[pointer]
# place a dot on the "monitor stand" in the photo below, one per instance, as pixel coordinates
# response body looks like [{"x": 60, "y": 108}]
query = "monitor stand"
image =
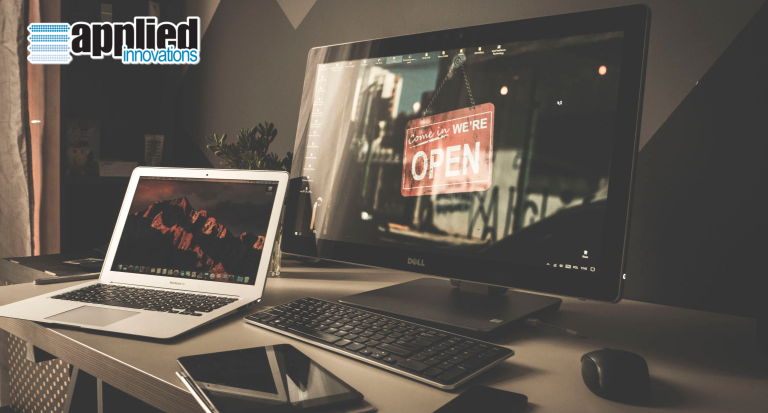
[{"x": 458, "y": 306}]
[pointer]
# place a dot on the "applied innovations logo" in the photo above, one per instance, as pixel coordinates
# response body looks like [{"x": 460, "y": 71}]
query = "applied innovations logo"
[{"x": 142, "y": 41}]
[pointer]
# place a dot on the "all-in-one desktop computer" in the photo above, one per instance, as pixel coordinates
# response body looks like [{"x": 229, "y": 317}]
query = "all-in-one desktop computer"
[{"x": 496, "y": 156}]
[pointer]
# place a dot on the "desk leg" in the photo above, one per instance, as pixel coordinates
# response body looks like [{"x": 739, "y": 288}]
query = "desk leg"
[
  {"x": 82, "y": 394},
  {"x": 88, "y": 394},
  {"x": 37, "y": 355},
  {"x": 112, "y": 400}
]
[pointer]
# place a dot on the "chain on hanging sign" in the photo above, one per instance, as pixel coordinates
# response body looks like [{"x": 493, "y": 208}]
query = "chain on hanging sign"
[{"x": 457, "y": 62}]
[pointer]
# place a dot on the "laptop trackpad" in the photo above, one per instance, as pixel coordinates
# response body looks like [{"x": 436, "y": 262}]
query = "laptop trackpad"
[{"x": 93, "y": 316}]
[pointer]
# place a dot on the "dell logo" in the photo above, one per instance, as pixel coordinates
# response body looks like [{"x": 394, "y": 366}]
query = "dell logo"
[
  {"x": 416, "y": 261},
  {"x": 176, "y": 283}
]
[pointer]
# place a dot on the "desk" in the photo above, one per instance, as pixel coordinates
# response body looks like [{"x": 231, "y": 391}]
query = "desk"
[{"x": 699, "y": 361}]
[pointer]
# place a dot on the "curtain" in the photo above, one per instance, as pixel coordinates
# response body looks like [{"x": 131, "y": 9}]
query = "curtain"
[
  {"x": 36, "y": 104},
  {"x": 15, "y": 215},
  {"x": 43, "y": 89}
]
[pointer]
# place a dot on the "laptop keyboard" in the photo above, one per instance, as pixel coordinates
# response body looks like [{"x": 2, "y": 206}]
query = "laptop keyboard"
[
  {"x": 432, "y": 356},
  {"x": 147, "y": 299}
]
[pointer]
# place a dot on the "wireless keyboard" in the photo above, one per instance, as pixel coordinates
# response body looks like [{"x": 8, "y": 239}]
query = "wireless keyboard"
[{"x": 431, "y": 356}]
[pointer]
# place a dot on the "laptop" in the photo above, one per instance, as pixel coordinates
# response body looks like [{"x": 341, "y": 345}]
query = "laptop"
[{"x": 190, "y": 246}]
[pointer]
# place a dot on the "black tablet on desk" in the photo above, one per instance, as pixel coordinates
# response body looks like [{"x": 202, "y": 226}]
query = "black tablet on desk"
[{"x": 266, "y": 379}]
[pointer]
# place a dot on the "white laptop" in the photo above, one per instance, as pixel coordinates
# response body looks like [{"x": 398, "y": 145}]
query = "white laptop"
[{"x": 190, "y": 246}]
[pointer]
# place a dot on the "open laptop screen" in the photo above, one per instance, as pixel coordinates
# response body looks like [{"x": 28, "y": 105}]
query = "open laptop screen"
[{"x": 196, "y": 228}]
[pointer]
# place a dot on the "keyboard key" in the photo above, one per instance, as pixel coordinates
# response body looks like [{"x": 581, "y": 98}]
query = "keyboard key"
[
  {"x": 433, "y": 372},
  {"x": 119, "y": 304},
  {"x": 475, "y": 362},
  {"x": 409, "y": 346},
  {"x": 414, "y": 365},
  {"x": 453, "y": 373},
  {"x": 342, "y": 343},
  {"x": 394, "y": 349},
  {"x": 429, "y": 336},
  {"x": 389, "y": 360},
  {"x": 445, "y": 365},
  {"x": 355, "y": 346},
  {"x": 422, "y": 343},
  {"x": 365, "y": 352},
  {"x": 321, "y": 335}
]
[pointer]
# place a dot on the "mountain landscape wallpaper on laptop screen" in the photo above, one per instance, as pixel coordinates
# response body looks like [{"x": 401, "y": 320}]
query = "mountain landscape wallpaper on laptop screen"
[{"x": 202, "y": 226}]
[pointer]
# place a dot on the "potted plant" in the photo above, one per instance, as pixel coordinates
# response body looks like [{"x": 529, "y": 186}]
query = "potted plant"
[{"x": 251, "y": 151}]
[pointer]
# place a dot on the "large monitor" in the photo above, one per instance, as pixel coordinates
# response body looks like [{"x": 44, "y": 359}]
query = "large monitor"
[{"x": 500, "y": 154}]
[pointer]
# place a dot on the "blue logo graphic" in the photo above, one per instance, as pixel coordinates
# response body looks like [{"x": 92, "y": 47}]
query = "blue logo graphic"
[
  {"x": 142, "y": 41},
  {"x": 49, "y": 44}
]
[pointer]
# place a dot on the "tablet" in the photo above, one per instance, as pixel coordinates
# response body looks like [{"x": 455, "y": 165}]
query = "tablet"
[{"x": 266, "y": 379}]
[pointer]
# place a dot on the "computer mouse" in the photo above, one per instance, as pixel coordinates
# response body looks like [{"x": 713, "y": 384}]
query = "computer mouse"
[{"x": 617, "y": 375}]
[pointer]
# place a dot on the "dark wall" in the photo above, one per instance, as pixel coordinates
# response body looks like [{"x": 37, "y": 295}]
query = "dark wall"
[{"x": 699, "y": 225}]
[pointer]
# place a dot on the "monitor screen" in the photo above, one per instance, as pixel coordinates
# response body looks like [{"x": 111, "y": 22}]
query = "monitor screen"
[
  {"x": 495, "y": 150},
  {"x": 207, "y": 229}
]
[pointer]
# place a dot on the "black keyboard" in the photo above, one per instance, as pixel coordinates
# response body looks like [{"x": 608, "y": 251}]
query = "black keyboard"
[
  {"x": 435, "y": 357},
  {"x": 147, "y": 299}
]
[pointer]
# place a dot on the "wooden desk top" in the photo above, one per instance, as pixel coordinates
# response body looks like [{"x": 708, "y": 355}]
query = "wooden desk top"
[{"x": 699, "y": 361}]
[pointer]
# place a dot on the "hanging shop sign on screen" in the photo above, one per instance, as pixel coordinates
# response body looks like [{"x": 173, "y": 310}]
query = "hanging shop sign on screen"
[{"x": 449, "y": 152}]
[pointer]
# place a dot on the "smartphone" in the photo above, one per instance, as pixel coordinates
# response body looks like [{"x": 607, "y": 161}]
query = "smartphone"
[{"x": 486, "y": 400}]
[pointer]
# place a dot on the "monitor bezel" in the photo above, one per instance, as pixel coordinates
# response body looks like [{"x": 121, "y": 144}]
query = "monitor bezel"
[{"x": 606, "y": 285}]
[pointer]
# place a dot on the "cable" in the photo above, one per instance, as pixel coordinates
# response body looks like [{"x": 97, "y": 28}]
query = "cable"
[{"x": 535, "y": 322}]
